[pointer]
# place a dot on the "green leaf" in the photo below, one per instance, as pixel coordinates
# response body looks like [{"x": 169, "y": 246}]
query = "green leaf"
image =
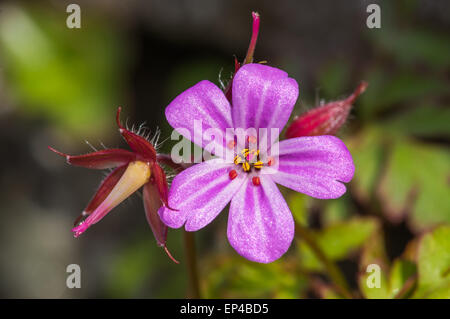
[
  {"x": 366, "y": 281},
  {"x": 229, "y": 277},
  {"x": 373, "y": 253},
  {"x": 336, "y": 210},
  {"x": 401, "y": 271},
  {"x": 422, "y": 121},
  {"x": 402, "y": 88},
  {"x": 416, "y": 181},
  {"x": 434, "y": 264},
  {"x": 414, "y": 45},
  {"x": 337, "y": 241},
  {"x": 407, "y": 176},
  {"x": 325, "y": 291},
  {"x": 367, "y": 152},
  {"x": 297, "y": 205}
]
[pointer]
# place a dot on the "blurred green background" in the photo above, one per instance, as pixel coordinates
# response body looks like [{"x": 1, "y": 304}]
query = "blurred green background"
[{"x": 61, "y": 87}]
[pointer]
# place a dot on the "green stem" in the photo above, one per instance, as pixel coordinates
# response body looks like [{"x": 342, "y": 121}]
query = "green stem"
[
  {"x": 189, "y": 244},
  {"x": 407, "y": 287},
  {"x": 333, "y": 271},
  {"x": 167, "y": 160}
]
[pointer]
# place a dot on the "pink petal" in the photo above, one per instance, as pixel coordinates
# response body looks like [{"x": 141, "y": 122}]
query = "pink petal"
[
  {"x": 99, "y": 160},
  {"x": 199, "y": 194},
  {"x": 314, "y": 165},
  {"x": 205, "y": 103},
  {"x": 263, "y": 97},
  {"x": 260, "y": 224}
]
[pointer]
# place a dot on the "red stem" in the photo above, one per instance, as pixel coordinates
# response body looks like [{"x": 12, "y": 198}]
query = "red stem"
[{"x": 254, "y": 38}]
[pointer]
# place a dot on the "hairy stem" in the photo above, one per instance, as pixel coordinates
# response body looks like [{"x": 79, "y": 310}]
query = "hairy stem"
[
  {"x": 167, "y": 160},
  {"x": 189, "y": 244},
  {"x": 333, "y": 271}
]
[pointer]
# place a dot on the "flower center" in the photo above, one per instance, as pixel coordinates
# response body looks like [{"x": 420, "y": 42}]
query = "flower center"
[{"x": 248, "y": 159}]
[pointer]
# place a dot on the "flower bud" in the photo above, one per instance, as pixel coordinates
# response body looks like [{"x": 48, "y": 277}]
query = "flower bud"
[{"x": 326, "y": 119}]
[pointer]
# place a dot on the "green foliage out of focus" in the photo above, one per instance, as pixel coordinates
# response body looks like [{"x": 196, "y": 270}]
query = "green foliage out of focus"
[
  {"x": 337, "y": 241},
  {"x": 70, "y": 77},
  {"x": 434, "y": 264},
  {"x": 142, "y": 268},
  {"x": 232, "y": 277}
]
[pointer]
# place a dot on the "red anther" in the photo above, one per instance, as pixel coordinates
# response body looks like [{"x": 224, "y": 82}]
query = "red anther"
[
  {"x": 256, "y": 181},
  {"x": 271, "y": 161},
  {"x": 232, "y": 174}
]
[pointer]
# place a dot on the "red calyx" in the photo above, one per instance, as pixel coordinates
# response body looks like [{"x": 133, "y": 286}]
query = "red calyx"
[
  {"x": 137, "y": 143},
  {"x": 326, "y": 119}
]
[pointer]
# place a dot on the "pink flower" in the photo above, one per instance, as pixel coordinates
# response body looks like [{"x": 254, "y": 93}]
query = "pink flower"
[
  {"x": 131, "y": 171},
  {"x": 260, "y": 224}
]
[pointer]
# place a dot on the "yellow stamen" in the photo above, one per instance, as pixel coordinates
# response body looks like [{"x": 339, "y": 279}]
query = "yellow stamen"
[
  {"x": 237, "y": 160},
  {"x": 254, "y": 153},
  {"x": 246, "y": 166},
  {"x": 258, "y": 165},
  {"x": 245, "y": 152}
]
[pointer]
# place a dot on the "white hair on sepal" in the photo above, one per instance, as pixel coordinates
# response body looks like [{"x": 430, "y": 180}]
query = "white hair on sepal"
[
  {"x": 169, "y": 172},
  {"x": 158, "y": 143},
  {"x": 144, "y": 132},
  {"x": 91, "y": 146},
  {"x": 103, "y": 145},
  {"x": 222, "y": 85},
  {"x": 155, "y": 138},
  {"x": 169, "y": 178}
]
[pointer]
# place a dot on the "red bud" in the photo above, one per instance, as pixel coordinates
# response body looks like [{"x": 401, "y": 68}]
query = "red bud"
[{"x": 326, "y": 119}]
